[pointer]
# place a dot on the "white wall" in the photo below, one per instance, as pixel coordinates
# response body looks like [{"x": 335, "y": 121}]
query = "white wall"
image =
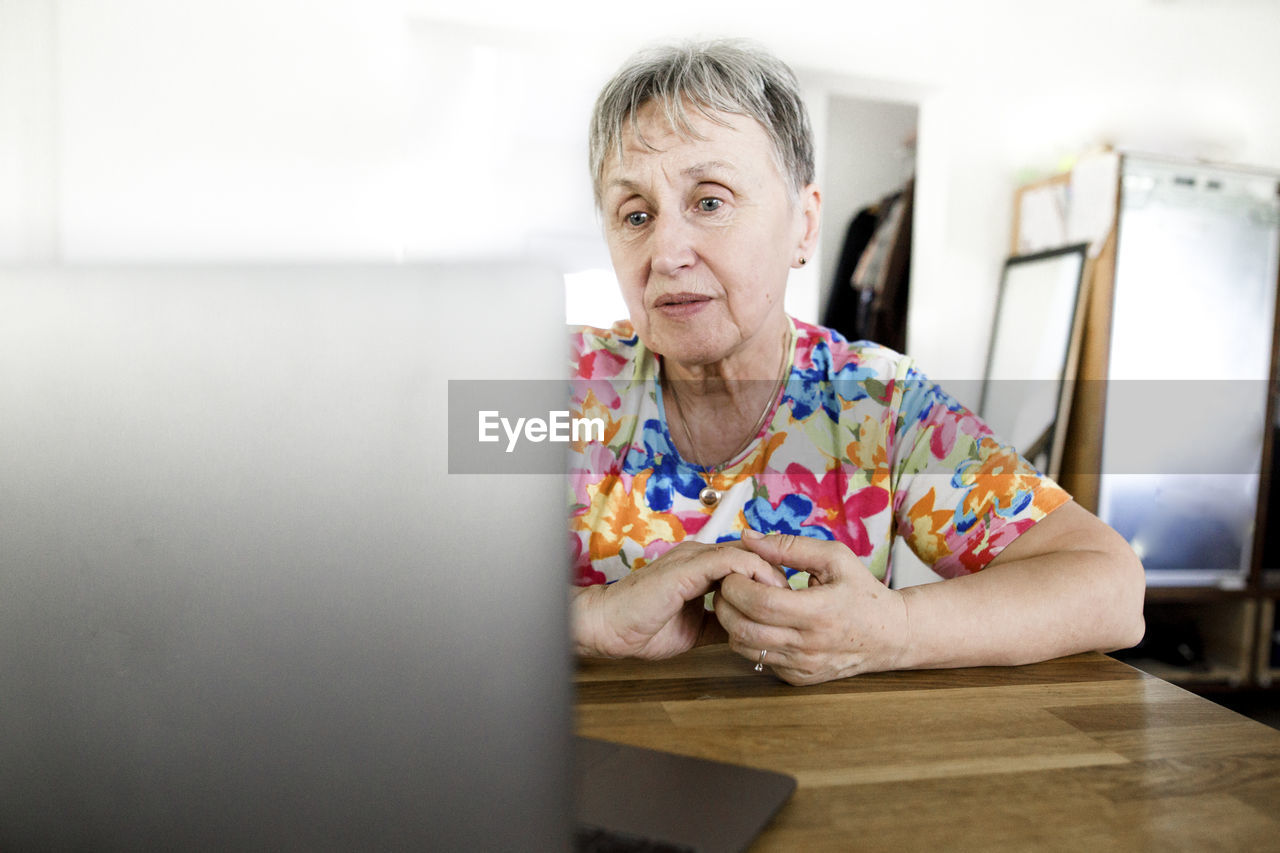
[{"x": 411, "y": 128}]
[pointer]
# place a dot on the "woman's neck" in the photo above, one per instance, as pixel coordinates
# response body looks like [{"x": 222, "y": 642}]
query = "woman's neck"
[
  {"x": 718, "y": 408},
  {"x": 761, "y": 360}
]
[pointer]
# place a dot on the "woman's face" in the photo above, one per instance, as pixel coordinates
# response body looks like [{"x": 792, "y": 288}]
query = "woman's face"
[{"x": 702, "y": 233}]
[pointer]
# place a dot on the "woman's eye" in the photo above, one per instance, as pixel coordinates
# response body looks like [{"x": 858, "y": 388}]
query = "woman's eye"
[
  {"x": 708, "y": 205},
  {"x": 637, "y": 218}
]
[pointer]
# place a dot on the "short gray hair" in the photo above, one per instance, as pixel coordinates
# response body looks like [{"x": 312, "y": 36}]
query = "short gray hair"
[{"x": 722, "y": 76}]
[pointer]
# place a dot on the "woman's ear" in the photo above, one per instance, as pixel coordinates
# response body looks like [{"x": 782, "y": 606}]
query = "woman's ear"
[{"x": 809, "y": 213}]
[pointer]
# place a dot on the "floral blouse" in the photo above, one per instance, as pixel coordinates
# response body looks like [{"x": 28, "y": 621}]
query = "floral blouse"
[{"x": 858, "y": 447}]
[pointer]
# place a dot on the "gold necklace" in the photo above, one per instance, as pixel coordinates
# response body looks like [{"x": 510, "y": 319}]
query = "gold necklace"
[{"x": 709, "y": 496}]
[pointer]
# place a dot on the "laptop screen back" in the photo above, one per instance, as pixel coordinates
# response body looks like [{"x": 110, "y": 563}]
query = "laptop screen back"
[{"x": 242, "y": 601}]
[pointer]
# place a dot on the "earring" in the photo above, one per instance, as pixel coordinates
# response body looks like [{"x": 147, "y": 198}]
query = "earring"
[{"x": 804, "y": 261}]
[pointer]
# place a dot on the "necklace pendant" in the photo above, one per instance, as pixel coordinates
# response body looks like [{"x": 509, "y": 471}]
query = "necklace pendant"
[{"x": 709, "y": 496}]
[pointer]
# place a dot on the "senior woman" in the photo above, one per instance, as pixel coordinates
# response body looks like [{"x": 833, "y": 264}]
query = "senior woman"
[{"x": 742, "y": 446}]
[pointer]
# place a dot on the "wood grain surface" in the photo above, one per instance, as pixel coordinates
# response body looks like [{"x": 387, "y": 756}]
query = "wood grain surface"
[{"x": 1081, "y": 753}]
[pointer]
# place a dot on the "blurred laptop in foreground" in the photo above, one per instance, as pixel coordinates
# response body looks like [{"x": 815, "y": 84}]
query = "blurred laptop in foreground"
[{"x": 248, "y": 600}]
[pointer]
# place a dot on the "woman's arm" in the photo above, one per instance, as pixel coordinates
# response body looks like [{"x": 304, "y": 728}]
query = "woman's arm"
[
  {"x": 1066, "y": 585},
  {"x": 1069, "y": 584}
]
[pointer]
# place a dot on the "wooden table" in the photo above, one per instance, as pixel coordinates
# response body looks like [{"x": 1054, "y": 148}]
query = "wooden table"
[{"x": 1081, "y": 753}]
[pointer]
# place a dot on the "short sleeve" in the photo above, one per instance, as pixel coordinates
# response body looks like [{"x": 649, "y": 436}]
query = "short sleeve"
[{"x": 961, "y": 494}]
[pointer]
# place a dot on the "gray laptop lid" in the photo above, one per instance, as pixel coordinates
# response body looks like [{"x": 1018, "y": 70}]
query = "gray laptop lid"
[
  {"x": 681, "y": 801},
  {"x": 242, "y": 602}
]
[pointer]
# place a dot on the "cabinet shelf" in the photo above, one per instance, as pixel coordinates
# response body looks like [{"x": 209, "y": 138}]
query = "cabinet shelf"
[
  {"x": 1267, "y": 671},
  {"x": 1161, "y": 594},
  {"x": 1213, "y": 632},
  {"x": 1212, "y": 674}
]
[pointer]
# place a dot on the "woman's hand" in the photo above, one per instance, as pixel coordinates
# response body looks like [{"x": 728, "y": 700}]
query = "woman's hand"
[
  {"x": 657, "y": 611},
  {"x": 845, "y": 623}
]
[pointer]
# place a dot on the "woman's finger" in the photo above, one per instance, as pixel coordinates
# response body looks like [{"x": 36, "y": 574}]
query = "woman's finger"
[
  {"x": 752, "y": 565},
  {"x": 824, "y": 560},
  {"x": 695, "y": 570},
  {"x": 762, "y": 571},
  {"x": 746, "y": 633},
  {"x": 766, "y": 605}
]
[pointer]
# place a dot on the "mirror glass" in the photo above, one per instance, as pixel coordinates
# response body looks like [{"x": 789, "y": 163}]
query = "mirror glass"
[
  {"x": 1030, "y": 347},
  {"x": 1187, "y": 385}
]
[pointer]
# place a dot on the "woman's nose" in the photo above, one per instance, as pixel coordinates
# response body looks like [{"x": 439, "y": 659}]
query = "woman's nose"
[{"x": 673, "y": 244}]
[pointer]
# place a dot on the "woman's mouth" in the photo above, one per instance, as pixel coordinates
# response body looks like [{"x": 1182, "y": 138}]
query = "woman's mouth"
[{"x": 678, "y": 305}]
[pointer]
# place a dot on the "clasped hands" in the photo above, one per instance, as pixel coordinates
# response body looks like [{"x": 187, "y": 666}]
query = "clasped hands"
[{"x": 846, "y": 622}]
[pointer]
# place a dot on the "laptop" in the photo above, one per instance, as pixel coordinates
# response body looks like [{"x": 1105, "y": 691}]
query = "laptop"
[{"x": 244, "y": 603}]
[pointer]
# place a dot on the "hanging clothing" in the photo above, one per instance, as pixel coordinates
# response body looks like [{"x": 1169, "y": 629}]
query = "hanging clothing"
[
  {"x": 842, "y": 304},
  {"x": 869, "y": 295}
]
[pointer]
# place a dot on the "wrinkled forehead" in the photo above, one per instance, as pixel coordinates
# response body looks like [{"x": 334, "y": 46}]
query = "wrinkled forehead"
[{"x": 657, "y": 127}]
